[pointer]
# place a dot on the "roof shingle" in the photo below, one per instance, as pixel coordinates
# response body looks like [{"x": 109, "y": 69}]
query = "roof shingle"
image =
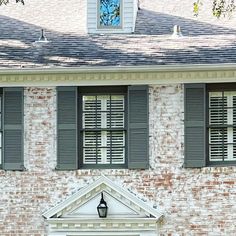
[{"x": 206, "y": 39}]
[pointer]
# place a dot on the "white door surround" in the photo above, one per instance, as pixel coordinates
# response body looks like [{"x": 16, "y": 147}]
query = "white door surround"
[{"x": 127, "y": 214}]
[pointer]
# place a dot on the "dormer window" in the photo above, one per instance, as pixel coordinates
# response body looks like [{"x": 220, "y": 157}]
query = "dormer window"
[{"x": 110, "y": 14}]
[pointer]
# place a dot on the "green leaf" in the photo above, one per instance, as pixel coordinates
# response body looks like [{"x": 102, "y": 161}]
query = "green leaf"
[{"x": 196, "y": 7}]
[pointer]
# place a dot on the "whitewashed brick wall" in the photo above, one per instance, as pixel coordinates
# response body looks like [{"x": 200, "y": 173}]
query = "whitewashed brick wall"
[{"x": 195, "y": 201}]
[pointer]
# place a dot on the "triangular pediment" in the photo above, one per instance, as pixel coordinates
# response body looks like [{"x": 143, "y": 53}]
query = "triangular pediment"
[
  {"x": 116, "y": 208},
  {"x": 121, "y": 203}
]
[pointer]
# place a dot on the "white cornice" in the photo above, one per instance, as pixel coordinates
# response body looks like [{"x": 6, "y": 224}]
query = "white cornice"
[
  {"x": 105, "y": 225},
  {"x": 120, "y": 75},
  {"x": 103, "y": 221}
]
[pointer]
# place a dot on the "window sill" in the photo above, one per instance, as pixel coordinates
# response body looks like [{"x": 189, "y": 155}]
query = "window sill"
[
  {"x": 102, "y": 166},
  {"x": 219, "y": 169}
]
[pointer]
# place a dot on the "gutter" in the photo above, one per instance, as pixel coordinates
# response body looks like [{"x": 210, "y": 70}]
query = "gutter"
[{"x": 120, "y": 69}]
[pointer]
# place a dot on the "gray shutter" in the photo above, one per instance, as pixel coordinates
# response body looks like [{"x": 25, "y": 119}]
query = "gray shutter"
[
  {"x": 138, "y": 137},
  {"x": 13, "y": 128},
  {"x": 67, "y": 128},
  {"x": 195, "y": 125}
]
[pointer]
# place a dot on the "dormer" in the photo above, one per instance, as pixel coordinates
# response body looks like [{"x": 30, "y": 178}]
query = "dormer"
[{"x": 111, "y": 16}]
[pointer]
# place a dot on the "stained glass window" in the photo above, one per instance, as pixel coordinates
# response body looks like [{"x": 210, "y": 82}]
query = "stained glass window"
[{"x": 109, "y": 12}]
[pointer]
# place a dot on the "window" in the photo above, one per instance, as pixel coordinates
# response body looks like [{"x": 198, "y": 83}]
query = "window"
[
  {"x": 222, "y": 126},
  {"x": 210, "y": 124},
  {"x": 109, "y": 12},
  {"x": 102, "y": 127}
]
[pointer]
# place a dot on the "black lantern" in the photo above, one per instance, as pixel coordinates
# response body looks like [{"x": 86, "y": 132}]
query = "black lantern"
[{"x": 102, "y": 208}]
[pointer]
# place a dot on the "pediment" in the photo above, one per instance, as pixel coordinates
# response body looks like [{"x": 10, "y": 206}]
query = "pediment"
[
  {"x": 121, "y": 203},
  {"x": 116, "y": 208}
]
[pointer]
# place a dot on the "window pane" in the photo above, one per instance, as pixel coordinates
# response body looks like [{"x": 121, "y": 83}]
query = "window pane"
[
  {"x": 118, "y": 155},
  {"x": 234, "y": 109},
  {"x": 116, "y": 120},
  {"x": 218, "y": 109},
  {"x": 110, "y": 13},
  {"x": 218, "y": 144},
  {"x": 116, "y": 139},
  {"x": 92, "y": 120},
  {"x": 217, "y": 152},
  {"x": 115, "y": 117},
  {"x": 89, "y": 120},
  {"x": 103, "y": 100},
  {"x": 92, "y": 139},
  {"x": 91, "y": 117},
  {"x": 116, "y": 103},
  {"x": 234, "y": 143},
  {"x": 105, "y": 147},
  {"x": 91, "y": 156},
  {"x": 89, "y": 103},
  {"x": 116, "y": 152}
]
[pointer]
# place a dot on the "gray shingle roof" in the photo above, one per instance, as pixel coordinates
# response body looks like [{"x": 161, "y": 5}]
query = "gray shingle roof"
[{"x": 206, "y": 40}]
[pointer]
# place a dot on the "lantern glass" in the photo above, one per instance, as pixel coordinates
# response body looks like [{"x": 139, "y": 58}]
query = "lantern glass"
[{"x": 102, "y": 208}]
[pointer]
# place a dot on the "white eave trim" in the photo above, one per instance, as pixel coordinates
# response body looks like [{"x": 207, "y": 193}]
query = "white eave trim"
[
  {"x": 99, "y": 69},
  {"x": 105, "y": 225},
  {"x": 119, "y": 75}
]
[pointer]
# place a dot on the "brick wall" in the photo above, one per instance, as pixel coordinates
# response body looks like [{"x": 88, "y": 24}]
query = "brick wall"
[{"x": 195, "y": 201}]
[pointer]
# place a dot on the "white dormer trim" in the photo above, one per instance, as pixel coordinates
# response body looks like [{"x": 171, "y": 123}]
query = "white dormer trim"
[{"x": 134, "y": 217}]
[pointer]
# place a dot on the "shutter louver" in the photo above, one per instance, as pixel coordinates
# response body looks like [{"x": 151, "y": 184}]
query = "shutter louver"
[
  {"x": 13, "y": 130},
  {"x": 195, "y": 125},
  {"x": 138, "y": 137},
  {"x": 67, "y": 128}
]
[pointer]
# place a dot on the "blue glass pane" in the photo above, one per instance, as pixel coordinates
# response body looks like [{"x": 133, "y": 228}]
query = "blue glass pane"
[{"x": 110, "y": 13}]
